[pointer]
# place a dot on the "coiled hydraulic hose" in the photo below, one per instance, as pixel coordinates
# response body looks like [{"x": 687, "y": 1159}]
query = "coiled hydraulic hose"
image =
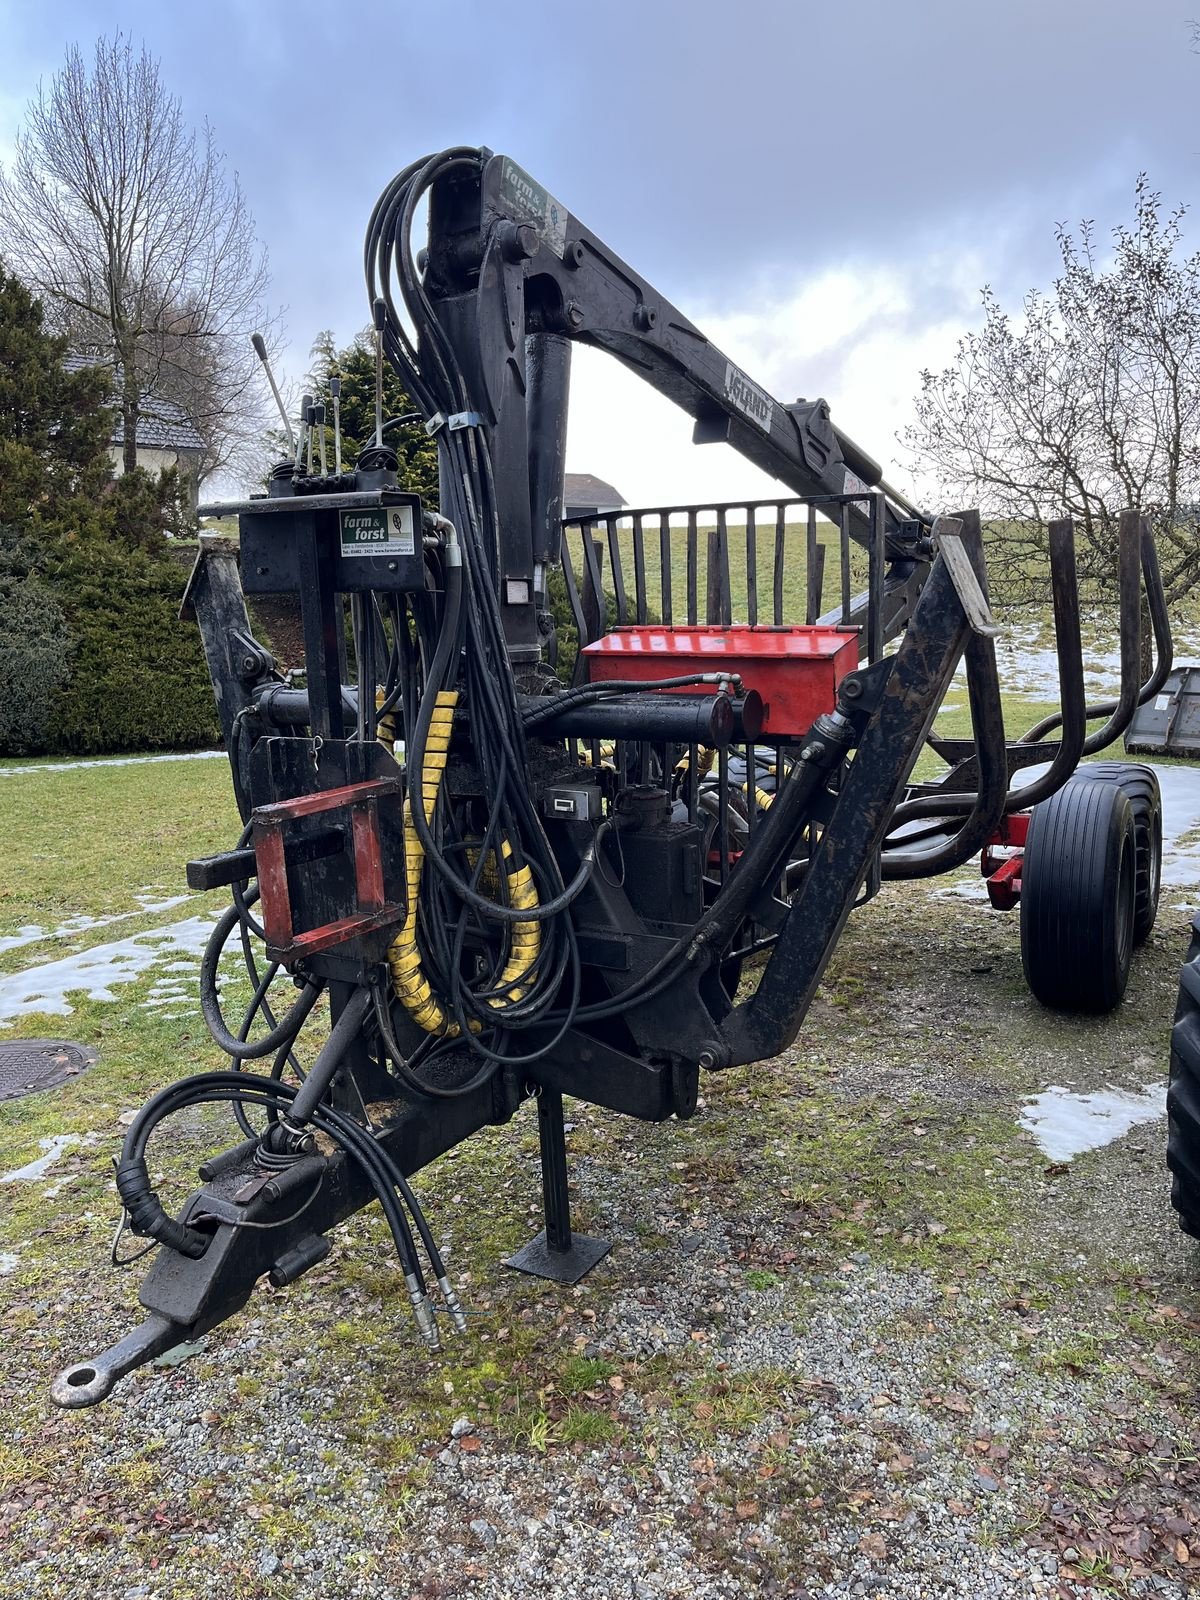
[
  {"x": 525, "y": 940},
  {"x": 148, "y": 1218},
  {"x": 285, "y": 1029},
  {"x": 409, "y": 982}
]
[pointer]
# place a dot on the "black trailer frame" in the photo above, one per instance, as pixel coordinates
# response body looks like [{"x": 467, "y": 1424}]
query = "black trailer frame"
[{"x": 724, "y": 867}]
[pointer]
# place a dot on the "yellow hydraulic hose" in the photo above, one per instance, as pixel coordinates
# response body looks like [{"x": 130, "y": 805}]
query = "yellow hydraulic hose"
[
  {"x": 704, "y": 761},
  {"x": 409, "y": 983},
  {"x": 763, "y": 797},
  {"x": 525, "y": 942},
  {"x": 385, "y": 728},
  {"x": 608, "y": 749}
]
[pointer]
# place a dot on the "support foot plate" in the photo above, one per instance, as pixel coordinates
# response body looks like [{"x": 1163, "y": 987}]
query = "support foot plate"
[{"x": 560, "y": 1266}]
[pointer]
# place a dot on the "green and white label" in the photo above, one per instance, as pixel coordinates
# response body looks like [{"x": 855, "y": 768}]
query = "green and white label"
[
  {"x": 382, "y": 531},
  {"x": 526, "y": 201}
]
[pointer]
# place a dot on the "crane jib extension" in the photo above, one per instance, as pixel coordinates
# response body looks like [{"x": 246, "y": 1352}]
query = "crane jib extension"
[{"x": 490, "y": 856}]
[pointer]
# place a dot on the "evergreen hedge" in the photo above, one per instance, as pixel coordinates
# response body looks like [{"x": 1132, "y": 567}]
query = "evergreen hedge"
[
  {"x": 137, "y": 675},
  {"x": 33, "y": 660},
  {"x": 92, "y": 655}
]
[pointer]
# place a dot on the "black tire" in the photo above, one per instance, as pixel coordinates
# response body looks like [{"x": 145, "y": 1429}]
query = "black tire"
[
  {"x": 1077, "y": 894},
  {"x": 1183, "y": 1094},
  {"x": 1140, "y": 783}
]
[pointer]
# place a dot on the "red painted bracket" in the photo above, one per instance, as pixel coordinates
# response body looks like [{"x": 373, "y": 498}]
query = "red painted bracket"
[
  {"x": 284, "y": 944},
  {"x": 1003, "y": 872}
]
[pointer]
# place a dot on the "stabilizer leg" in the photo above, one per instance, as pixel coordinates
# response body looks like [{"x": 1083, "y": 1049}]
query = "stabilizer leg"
[{"x": 556, "y": 1253}]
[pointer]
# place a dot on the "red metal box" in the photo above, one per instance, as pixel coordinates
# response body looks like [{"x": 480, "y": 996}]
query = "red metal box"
[{"x": 796, "y": 670}]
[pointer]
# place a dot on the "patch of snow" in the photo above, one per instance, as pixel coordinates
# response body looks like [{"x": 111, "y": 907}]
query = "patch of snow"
[
  {"x": 44, "y": 989},
  {"x": 1027, "y": 661},
  {"x": 968, "y": 889},
  {"x": 113, "y": 761},
  {"x": 53, "y": 1146},
  {"x": 1066, "y": 1124},
  {"x": 31, "y": 933},
  {"x": 1181, "y": 815}
]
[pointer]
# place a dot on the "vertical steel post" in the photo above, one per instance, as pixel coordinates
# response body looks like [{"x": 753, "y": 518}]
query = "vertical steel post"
[
  {"x": 812, "y": 609},
  {"x": 548, "y": 379},
  {"x": 875, "y": 563},
  {"x": 558, "y": 1252},
  {"x": 552, "y": 1143}
]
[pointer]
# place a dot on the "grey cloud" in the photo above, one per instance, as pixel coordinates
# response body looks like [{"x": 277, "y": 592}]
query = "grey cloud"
[{"x": 712, "y": 144}]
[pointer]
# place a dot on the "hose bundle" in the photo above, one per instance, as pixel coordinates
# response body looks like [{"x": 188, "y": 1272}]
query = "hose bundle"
[{"x": 487, "y": 950}]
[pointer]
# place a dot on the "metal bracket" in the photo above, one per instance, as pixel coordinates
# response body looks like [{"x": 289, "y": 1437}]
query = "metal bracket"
[
  {"x": 453, "y": 422},
  {"x": 374, "y": 910}
]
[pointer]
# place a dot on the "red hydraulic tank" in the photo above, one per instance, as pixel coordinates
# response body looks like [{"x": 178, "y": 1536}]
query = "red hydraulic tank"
[{"x": 796, "y": 670}]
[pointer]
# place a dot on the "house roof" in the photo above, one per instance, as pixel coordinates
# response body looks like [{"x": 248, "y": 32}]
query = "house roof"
[
  {"x": 582, "y": 489},
  {"x": 162, "y": 425}
]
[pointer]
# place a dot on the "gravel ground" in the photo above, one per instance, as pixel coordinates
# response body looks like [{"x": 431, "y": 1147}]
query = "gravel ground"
[{"x": 856, "y": 1336}]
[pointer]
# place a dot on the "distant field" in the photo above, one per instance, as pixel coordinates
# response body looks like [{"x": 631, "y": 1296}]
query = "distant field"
[{"x": 794, "y": 568}]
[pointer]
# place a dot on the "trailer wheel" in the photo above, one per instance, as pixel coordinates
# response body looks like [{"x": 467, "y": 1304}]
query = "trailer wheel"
[
  {"x": 1077, "y": 897},
  {"x": 1140, "y": 783},
  {"x": 1183, "y": 1094}
]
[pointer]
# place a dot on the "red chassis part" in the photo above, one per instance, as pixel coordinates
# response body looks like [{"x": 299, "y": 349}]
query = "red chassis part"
[
  {"x": 374, "y": 910},
  {"x": 1003, "y": 871},
  {"x": 796, "y": 670}
]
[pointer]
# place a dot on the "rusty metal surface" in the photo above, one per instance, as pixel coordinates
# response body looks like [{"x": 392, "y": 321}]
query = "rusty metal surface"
[{"x": 27, "y": 1066}]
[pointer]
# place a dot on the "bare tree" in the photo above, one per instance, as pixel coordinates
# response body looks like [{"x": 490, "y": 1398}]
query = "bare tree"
[
  {"x": 127, "y": 224},
  {"x": 1085, "y": 402}
]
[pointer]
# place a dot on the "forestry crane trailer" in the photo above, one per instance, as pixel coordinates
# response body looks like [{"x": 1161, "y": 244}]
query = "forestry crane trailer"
[{"x": 480, "y": 885}]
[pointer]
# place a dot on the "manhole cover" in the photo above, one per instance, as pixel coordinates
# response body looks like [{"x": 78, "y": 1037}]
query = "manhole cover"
[{"x": 28, "y": 1065}]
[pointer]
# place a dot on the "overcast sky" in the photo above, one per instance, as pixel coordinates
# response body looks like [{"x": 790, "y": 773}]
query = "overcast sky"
[{"x": 823, "y": 188}]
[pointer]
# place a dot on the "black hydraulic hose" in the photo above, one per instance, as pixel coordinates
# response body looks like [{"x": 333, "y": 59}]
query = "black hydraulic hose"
[
  {"x": 240, "y": 900},
  {"x": 147, "y": 1216},
  {"x": 438, "y": 672},
  {"x": 241, "y": 1049},
  {"x": 258, "y": 1000},
  {"x": 148, "y": 1219},
  {"x": 415, "y": 1085},
  {"x": 501, "y": 1020},
  {"x": 766, "y": 854},
  {"x": 418, "y": 1216},
  {"x": 554, "y": 705},
  {"x": 469, "y": 501}
]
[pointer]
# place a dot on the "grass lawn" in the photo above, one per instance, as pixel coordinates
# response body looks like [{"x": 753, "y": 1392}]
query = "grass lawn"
[
  {"x": 794, "y": 574},
  {"x": 86, "y": 842}
]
